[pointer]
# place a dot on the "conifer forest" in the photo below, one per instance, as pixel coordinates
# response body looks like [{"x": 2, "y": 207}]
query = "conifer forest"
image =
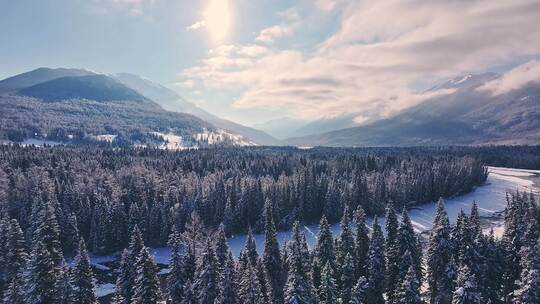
[{"x": 60, "y": 206}]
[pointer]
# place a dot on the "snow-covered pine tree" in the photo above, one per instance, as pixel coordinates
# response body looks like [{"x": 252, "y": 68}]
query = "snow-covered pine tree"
[
  {"x": 439, "y": 255},
  {"x": 125, "y": 281},
  {"x": 362, "y": 242},
  {"x": 273, "y": 265},
  {"x": 146, "y": 288},
  {"x": 188, "y": 295},
  {"x": 43, "y": 277},
  {"x": 529, "y": 288},
  {"x": 359, "y": 293},
  {"x": 324, "y": 251},
  {"x": 176, "y": 278},
  {"x": 493, "y": 271},
  {"x": 392, "y": 254},
  {"x": 345, "y": 241},
  {"x": 16, "y": 290},
  {"x": 16, "y": 256},
  {"x": 299, "y": 289},
  {"x": 82, "y": 278},
  {"x": 328, "y": 293},
  {"x": 222, "y": 248},
  {"x": 347, "y": 279},
  {"x": 409, "y": 289},
  {"x": 250, "y": 290},
  {"x": 205, "y": 288},
  {"x": 48, "y": 233},
  {"x": 228, "y": 288},
  {"x": 466, "y": 287},
  {"x": 407, "y": 242},
  {"x": 376, "y": 266}
]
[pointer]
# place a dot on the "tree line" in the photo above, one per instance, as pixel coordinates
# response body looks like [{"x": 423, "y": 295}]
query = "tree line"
[
  {"x": 361, "y": 265},
  {"x": 101, "y": 194}
]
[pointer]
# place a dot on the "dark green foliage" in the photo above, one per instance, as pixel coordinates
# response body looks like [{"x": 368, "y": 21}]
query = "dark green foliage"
[
  {"x": 83, "y": 278},
  {"x": 146, "y": 289}
]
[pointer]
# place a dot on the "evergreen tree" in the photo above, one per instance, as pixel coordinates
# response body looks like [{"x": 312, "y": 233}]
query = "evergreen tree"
[
  {"x": 439, "y": 256},
  {"x": 177, "y": 277},
  {"x": 43, "y": 277},
  {"x": 362, "y": 243},
  {"x": 128, "y": 272},
  {"x": 409, "y": 288},
  {"x": 228, "y": 289},
  {"x": 16, "y": 258},
  {"x": 205, "y": 288},
  {"x": 222, "y": 248},
  {"x": 529, "y": 290},
  {"x": 466, "y": 288},
  {"x": 272, "y": 259},
  {"x": 328, "y": 293},
  {"x": 250, "y": 291},
  {"x": 347, "y": 279},
  {"x": 375, "y": 289},
  {"x": 188, "y": 295},
  {"x": 407, "y": 242},
  {"x": 346, "y": 239},
  {"x": 146, "y": 289},
  {"x": 83, "y": 278},
  {"x": 359, "y": 294},
  {"x": 299, "y": 289},
  {"x": 392, "y": 254},
  {"x": 16, "y": 293},
  {"x": 324, "y": 251}
]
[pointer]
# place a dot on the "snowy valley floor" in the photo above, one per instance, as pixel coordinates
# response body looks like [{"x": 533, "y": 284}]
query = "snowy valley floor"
[{"x": 491, "y": 199}]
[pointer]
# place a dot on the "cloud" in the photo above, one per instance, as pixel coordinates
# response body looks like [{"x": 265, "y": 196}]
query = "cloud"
[
  {"x": 326, "y": 5},
  {"x": 514, "y": 79},
  {"x": 185, "y": 84},
  {"x": 134, "y": 8},
  {"x": 195, "y": 26},
  {"x": 270, "y": 34},
  {"x": 381, "y": 48}
]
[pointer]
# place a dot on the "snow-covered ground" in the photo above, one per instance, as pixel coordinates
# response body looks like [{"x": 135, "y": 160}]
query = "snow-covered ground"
[{"x": 491, "y": 199}]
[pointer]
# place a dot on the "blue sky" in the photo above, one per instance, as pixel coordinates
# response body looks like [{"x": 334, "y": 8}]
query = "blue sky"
[{"x": 303, "y": 59}]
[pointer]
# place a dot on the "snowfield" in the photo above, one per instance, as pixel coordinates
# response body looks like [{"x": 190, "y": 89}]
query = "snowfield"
[{"x": 490, "y": 197}]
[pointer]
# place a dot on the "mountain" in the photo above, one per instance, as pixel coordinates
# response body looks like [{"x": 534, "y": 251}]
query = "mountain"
[
  {"x": 282, "y": 127},
  {"x": 172, "y": 101},
  {"x": 97, "y": 107},
  {"x": 39, "y": 75},
  {"x": 466, "y": 115},
  {"x": 92, "y": 87}
]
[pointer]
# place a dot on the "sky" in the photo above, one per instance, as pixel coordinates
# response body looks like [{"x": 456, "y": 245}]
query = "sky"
[{"x": 256, "y": 60}]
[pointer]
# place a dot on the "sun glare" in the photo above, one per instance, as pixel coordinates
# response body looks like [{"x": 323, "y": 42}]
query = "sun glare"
[{"x": 218, "y": 19}]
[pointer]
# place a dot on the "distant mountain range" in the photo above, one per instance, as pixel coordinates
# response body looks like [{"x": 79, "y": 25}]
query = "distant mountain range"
[
  {"x": 467, "y": 115},
  {"x": 80, "y": 105}
]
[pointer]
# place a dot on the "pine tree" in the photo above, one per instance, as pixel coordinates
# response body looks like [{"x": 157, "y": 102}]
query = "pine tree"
[
  {"x": 529, "y": 289},
  {"x": 345, "y": 240},
  {"x": 299, "y": 289},
  {"x": 48, "y": 233},
  {"x": 273, "y": 265},
  {"x": 16, "y": 292},
  {"x": 392, "y": 254},
  {"x": 407, "y": 242},
  {"x": 128, "y": 272},
  {"x": 324, "y": 251},
  {"x": 146, "y": 289},
  {"x": 205, "y": 286},
  {"x": 176, "y": 278},
  {"x": 228, "y": 289},
  {"x": 439, "y": 255},
  {"x": 466, "y": 288},
  {"x": 222, "y": 248},
  {"x": 83, "y": 278},
  {"x": 188, "y": 295},
  {"x": 16, "y": 257},
  {"x": 362, "y": 243},
  {"x": 347, "y": 279},
  {"x": 359, "y": 292},
  {"x": 43, "y": 277},
  {"x": 376, "y": 270},
  {"x": 328, "y": 293},
  {"x": 409, "y": 288},
  {"x": 250, "y": 291}
]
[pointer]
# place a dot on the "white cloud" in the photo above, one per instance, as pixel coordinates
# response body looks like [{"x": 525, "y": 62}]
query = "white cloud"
[
  {"x": 185, "y": 84},
  {"x": 381, "y": 48},
  {"x": 270, "y": 34},
  {"x": 326, "y": 5},
  {"x": 134, "y": 8},
  {"x": 514, "y": 79},
  {"x": 195, "y": 26}
]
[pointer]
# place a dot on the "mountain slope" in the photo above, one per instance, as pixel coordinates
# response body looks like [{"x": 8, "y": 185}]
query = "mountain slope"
[
  {"x": 99, "y": 108},
  {"x": 468, "y": 115},
  {"x": 92, "y": 87},
  {"x": 172, "y": 101},
  {"x": 36, "y": 76}
]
